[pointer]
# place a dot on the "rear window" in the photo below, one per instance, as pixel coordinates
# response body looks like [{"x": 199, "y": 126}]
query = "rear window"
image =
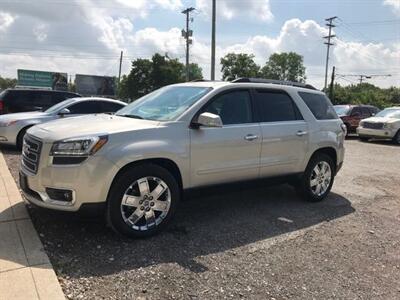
[{"x": 320, "y": 105}]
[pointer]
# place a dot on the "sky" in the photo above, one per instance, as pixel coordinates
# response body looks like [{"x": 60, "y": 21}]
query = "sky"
[{"x": 87, "y": 36}]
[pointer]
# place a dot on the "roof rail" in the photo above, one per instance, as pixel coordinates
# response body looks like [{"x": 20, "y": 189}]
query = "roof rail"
[{"x": 274, "y": 81}]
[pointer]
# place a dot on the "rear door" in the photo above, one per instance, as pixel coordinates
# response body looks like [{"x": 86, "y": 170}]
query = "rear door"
[
  {"x": 284, "y": 133},
  {"x": 231, "y": 152}
]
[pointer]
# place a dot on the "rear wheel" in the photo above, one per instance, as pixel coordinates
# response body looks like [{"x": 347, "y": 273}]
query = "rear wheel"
[
  {"x": 142, "y": 201},
  {"x": 317, "y": 180}
]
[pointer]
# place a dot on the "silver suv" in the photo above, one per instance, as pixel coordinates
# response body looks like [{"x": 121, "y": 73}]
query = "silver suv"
[{"x": 137, "y": 162}]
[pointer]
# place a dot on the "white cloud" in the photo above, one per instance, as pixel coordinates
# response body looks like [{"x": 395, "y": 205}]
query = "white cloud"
[
  {"x": 228, "y": 9},
  {"x": 6, "y": 20},
  {"x": 99, "y": 32},
  {"x": 394, "y": 4}
]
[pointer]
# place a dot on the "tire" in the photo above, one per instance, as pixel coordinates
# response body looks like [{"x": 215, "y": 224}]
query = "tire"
[
  {"x": 139, "y": 213},
  {"x": 396, "y": 138},
  {"x": 363, "y": 138},
  {"x": 20, "y": 138},
  {"x": 347, "y": 129},
  {"x": 306, "y": 187}
]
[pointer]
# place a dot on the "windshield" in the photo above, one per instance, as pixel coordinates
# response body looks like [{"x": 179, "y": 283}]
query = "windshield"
[
  {"x": 164, "y": 104},
  {"x": 389, "y": 113},
  {"x": 342, "y": 110},
  {"x": 57, "y": 107}
]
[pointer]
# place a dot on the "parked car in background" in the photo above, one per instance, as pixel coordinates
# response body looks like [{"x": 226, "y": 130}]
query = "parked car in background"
[
  {"x": 384, "y": 125},
  {"x": 14, "y": 126},
  {"x": 22, "y": 100},
  {"x": 351, "y": 115},
  {"x": 136, "y": 164}
]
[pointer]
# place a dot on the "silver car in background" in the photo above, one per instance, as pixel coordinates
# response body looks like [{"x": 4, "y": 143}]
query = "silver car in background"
[{"x": 14, "y": 126}]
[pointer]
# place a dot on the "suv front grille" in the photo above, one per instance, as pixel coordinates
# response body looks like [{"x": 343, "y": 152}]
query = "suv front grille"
[
  {"x": 31, "y": 150},
  {"x": 373, "y": 125}
]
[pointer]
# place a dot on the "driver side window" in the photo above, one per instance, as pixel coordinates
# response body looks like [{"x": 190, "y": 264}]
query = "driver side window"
[{"x": 232, "y": 107}]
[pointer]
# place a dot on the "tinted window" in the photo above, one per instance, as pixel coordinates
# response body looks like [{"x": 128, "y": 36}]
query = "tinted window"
[
  {"x": 233, "y": 107},
  {"x": 58, "y": 97},
  {"x": 356, "y": 112},
  {"x": 275, "y": 106},
  {"x": 320, "y": 105},
  {"x": 110, "y": 106},
  {"x": 87, "y": 107},
  {"x": 373, "y": 110},
  {"x": 365, "y": 113}
]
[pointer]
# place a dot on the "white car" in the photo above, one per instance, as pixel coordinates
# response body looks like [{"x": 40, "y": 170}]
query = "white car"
[
  {"x": 136, "y": 164},
  {"x": 384, "y": 125},
  {"x": 14, "y": 126}
]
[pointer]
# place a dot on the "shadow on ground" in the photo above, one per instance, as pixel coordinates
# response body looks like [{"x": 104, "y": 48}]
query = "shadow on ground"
[{"x": 203, "y": 225}]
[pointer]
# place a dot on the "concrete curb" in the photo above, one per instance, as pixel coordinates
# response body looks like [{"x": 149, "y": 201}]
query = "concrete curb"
[{"x": 25, "y": 269}]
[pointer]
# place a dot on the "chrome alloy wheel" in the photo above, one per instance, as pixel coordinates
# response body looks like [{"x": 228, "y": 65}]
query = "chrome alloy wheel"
[
  {"x": 146, "y": 203},
  {"x": 320, "y": 179}
]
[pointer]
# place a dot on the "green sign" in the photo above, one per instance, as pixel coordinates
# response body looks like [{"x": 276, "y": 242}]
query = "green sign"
[{"x": 52, "y": 80}]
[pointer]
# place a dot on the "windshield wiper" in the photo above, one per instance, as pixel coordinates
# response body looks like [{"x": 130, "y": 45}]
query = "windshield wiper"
[{"x": 131, "y": 116}]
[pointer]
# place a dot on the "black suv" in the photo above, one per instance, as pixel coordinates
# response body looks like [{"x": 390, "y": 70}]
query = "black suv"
[{"x": 21, "y": 100}]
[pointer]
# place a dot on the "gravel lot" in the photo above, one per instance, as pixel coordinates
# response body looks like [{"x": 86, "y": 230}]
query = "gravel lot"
[{"x": 246, "y": 242}]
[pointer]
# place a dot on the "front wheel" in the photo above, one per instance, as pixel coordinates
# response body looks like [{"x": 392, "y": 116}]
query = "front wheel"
[
  {"x": 317, "y": 180},
  {"x": 142, "y": 201}
]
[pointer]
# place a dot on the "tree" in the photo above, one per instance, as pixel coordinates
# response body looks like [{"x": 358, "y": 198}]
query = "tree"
[
  {"x": 366, "y": 93},
  {"x": 195, "y": 72},
  {"x": 6, "y": 83},
  {"x": 150, "y": 74},
  {"x": 284, "y": 66},
  {"x": 238, "y": 65}
]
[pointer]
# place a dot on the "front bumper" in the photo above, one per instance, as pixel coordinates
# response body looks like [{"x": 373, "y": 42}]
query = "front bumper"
[
  {"x": 89, "y": 181},
  {"x": 376, "y": 133}
]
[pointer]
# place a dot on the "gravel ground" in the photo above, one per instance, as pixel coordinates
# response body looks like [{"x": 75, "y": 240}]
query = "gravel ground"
[{"x": 246, "y": 242}]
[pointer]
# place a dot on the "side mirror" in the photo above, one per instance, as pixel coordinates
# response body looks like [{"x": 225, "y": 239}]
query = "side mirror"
[
  {"x": 64, "y": 111},
  {"x": 209, "y": 120}
]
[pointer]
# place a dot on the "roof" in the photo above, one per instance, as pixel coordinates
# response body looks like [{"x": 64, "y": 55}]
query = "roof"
[{"x": 258, "y": 84}]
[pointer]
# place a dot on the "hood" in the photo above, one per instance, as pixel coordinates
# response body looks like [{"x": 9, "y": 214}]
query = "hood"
[
  {"x": 381, "y": 120},
  {"x": 88, "y": 125},
  {"x": 23, "y": 116}
]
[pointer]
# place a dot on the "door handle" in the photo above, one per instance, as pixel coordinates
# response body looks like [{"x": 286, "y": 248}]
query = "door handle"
[
  {"x": 251, "y": 137},
  {"x": 301, "y": 133}
]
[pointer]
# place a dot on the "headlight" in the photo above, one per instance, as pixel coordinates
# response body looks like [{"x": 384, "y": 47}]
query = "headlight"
[
  {"x": 8, "y": 123},
  {"x": 387, "y": 126},
  {"x": 79, "y": 147}
]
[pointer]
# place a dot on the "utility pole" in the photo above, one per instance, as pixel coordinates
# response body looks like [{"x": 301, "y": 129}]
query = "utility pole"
[
  {"x": 214, "y": 8},
  {"x": 187, "y": 34},
  {"x": 328, "y": 43},
  {"x": 120, "y": 67},
  {"x": 331, "y": 92}
]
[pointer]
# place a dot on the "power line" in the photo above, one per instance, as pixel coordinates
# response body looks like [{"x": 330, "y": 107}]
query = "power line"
[
  {"x": 328, "y": 43},
  {"x": 364, "y": 76}
]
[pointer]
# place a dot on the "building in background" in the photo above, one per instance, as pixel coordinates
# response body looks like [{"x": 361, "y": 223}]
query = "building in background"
[{"x": 92, "y": 85}]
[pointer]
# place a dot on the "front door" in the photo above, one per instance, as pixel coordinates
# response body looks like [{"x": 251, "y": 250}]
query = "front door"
[{"x": 231, "y": 152}]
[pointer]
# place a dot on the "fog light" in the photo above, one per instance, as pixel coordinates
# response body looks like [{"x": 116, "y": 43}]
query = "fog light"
[
  {"x": 3, "y": 139},
  {"x": 59, "y": 195}
]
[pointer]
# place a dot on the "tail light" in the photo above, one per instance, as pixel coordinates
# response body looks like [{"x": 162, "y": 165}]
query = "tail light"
[{"x": 1, "y": 106}]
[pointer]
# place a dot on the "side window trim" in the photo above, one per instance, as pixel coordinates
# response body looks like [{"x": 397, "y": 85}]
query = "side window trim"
[
  {"x": 215, "y": 97},
  {"x": 296, "y": 110}
]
